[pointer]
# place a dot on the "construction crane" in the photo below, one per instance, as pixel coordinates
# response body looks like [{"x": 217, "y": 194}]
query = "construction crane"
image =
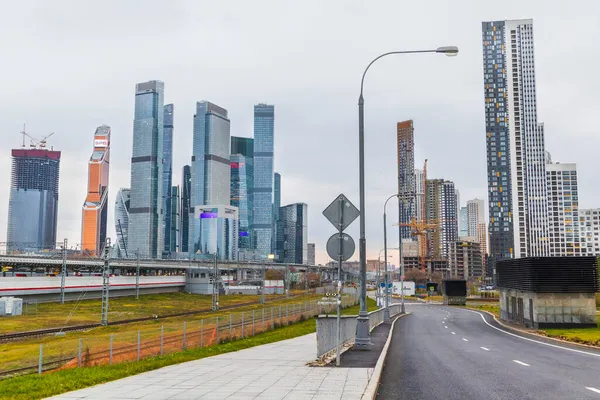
[
  {"x": 421, "y": 228},
  {"x": 33, "y": 142}
]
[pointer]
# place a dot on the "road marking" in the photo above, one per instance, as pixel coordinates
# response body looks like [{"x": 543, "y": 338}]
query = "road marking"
[
  {"x": 445, "y": 327},
  {"x": 466, "y": 340},
  {"x": 485, "y": 348},
  {"x": 521, "y": 362},
  {"x": 533, "y": 340},
  {"x": 593, "y": 389},
  {"x": 453, "y": 333}
]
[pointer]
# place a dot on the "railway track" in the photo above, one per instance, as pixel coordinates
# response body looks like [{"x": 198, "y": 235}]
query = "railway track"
[{"x": 42, "y": 332}]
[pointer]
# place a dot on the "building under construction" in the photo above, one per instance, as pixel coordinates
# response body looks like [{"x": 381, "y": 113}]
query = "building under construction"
[
  {"x": 33, "y": 198},
  {"x": 406, "y": 176}
]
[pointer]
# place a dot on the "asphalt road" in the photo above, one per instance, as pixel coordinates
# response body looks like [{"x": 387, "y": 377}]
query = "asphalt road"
[{"x": 449, "y": 353}]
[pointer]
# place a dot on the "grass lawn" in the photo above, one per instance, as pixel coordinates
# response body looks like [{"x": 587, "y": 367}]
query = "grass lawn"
[
  {"x": 46, "y": 385},
  {"x": 52, "y": 315},
  {"x": 493, "y": 308},
  {"x": 583, "y": 335},
  {"x": 24, "y": 353}
]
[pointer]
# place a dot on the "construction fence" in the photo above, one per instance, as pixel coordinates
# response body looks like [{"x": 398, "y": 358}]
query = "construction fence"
[{"x": 103, "y": 348}]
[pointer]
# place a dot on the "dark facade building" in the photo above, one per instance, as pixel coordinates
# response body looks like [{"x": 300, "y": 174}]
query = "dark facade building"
[
  {"x": 293, "y": 233},
  {"x": 184, "y": 227},
  {"x": 406, "y": 175},
  {"x": 168, "y": 178},
  {"x": 242, "y": 185},
  {"x": 441, "y": 209},
  {"x": 33, "y": 200}
]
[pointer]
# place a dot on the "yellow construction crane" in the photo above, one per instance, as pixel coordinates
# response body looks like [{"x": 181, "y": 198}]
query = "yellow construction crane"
[{"x": 420, "y": 229}]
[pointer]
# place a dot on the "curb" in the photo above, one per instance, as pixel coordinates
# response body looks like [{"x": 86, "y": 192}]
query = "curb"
[
  {"x": 371, "y": 390},
  {"x": 517, "y": 330}
]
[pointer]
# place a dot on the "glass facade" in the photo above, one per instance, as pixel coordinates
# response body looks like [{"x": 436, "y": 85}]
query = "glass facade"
[
  {"x": 33, "y": 200},
  {"x": 146, "y": 232},
  {"x": 218, "y": 231},
  {"x": 211, "y": 175},
  {"x": 264, "y": 124},
  {"x": 293, "y": 233},
  {"x": 122, "y": 205},
  {"x": 175, "y": 218},
  {"x": 515, "y": 143},
  {"x": 276, "y": 206},
  {"x": 184, "y": 228},
  {"x": 242, "y": 183},
  {"x": 463, "y": 222},
  {"x": 167, "y": 204}
]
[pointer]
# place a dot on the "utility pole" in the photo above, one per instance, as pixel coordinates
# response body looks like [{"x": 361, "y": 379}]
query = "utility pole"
[
  {"x": 137, "y": 276},
  {"x": 105, "y": 284},
  {"x": 215, "y": 295},
  {"x": 63, "y": 275}
]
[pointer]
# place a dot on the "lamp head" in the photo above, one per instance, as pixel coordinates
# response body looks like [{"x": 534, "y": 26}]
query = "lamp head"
[{"x": 450, "y": 51}]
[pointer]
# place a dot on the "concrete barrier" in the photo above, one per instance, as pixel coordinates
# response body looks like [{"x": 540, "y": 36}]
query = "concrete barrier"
[{"x": 327, "y": 328}]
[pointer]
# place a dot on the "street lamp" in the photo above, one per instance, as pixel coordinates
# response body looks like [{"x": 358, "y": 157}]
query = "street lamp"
[
  {"x": 363, "y": 339},
  {"x": 386, "y": 311}
]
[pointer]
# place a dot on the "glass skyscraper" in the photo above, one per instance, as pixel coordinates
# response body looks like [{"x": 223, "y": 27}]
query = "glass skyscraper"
[
  {"x": 264, "y": 124},
  {"x": 515, "y": 143},
  {"x": 276, "y": 206},
  {"x": 242, "y": 183},
  {"x": 122, "y": 205},
  {"x": 168, "y": 177},
  {"x": 211, "y": 184},
  {"x": 175, "y": 219},
  {"x": 184, "y": 227},
  {"x": 33, "y": 200},
  {"x": 293, "y": 233},
  {"x": 441, "y": 207},
  {"x": 146, "y": 232}
]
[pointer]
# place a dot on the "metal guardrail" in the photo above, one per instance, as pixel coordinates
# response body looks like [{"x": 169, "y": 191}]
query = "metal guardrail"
[{"x": 326, "y": 328}]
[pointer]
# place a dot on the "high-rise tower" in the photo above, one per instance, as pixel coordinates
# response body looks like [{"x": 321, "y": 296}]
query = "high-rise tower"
[
  {"x": 122, "y": 205},
  {"x": 242, "y": 184},
  {"x": 406, "y": 175},
  {"x": 213, "y": 221},
  {"x": 184, "y": 229},
  {"x": 167, "y": 179},
  {"x": 33, "y": 200},
  {"x": 95, "y": 208},
  {"x": 515, "y": 143},
  {"x": 146, "y": 232},
  {"x": 264, "y": 127}
]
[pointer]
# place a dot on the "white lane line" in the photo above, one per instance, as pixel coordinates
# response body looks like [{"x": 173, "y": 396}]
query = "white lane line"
[
  {"x": 521, "y": 362},
  {"x": 454, "y": 333},
  {"x": 485, "y": 348},
  {"x": 445, "y": 327},
  {"x": 532, "y": 340},
  {"x": 593, "y": 389},
  {"x": 466, "y": 340}
]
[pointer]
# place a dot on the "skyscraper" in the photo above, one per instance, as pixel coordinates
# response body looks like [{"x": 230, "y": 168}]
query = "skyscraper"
[
  {"x": 463, "y": 222},
  {"x": 420, "y": 194},
  {"x": 293, "y": 231},
  {"x": 311, "y": 254},
  {"x": 33, "y": 200},
  {"x": 406, "y": 174},
  {"x": 211, "y": 213},
  {"x": 264, "y": 125},
  {"x": 564, "y": 234},
  {"x": 589, "y": 228},
  {"x": 475, "y": 216},
  {"x": 441, "y": 209},
  {"x": 242, "y": 184},
  {"x": 146, "y": 232},
  {"x": 276, "y": 206},
  {"x": 95, "y": 208},
  {"x": 174, "y": 225},
  {"x": 167, "y": 177},
  {"x": 122, "y": 205},
  {"x": 515, "y": 142},
  {"x": 184, "y": 229}
]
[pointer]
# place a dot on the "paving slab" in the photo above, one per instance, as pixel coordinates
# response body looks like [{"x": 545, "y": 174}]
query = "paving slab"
[{"x": 271, "y": 371}]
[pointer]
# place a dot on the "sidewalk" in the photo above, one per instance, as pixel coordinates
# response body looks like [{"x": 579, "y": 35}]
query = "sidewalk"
[{"x": 271, "y": 371}]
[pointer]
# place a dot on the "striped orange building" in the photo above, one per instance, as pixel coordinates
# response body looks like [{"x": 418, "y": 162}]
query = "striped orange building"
[{"x": 95, "y": 208}]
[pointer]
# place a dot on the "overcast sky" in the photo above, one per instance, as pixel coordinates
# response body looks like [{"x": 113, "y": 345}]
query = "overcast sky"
[{"x": 70, "y": 66}]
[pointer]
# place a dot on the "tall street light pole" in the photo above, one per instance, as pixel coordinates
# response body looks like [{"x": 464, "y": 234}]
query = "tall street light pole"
[
  {"x": 363, "y": 336},
  {"x": 386, "y": 311}
]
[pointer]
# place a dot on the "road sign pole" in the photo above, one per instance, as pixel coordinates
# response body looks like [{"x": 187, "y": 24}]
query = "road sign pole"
[{"x": 339, "y": 286}]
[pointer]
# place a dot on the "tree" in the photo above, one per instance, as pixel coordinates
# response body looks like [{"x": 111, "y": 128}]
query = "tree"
[
  {"x": 273, "y": 275},
  {"x": 415, "y": 275}
]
